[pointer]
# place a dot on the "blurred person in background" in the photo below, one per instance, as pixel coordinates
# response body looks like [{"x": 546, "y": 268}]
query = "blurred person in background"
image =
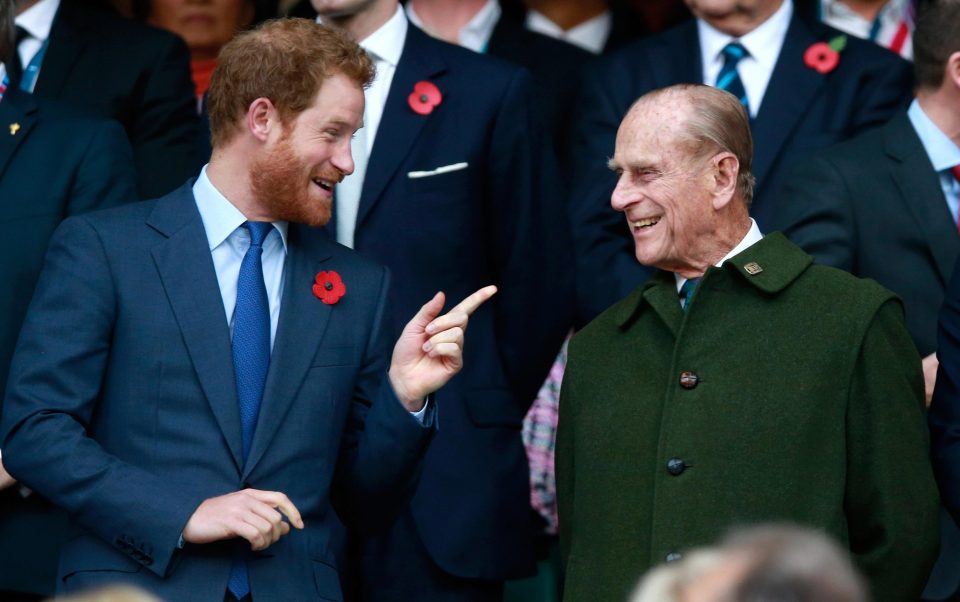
[{"x": 111, "y": 67}]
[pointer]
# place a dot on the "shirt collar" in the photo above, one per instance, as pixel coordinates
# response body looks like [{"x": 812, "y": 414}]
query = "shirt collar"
[
  {"x": 763, "y": 43},
  {"x": 38, "y": 19},
  {"x": 942, "y": 151},
  {"x": 475, "y": 35},
  {"x": 752, "y": 237},
  {"x": 386, "y": 43},
  {"x": 590, "y": 35},
  {"x": 219, "y": 216}
]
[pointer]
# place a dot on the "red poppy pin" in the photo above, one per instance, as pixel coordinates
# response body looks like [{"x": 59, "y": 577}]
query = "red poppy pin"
[
  {"x": 823, "y": 57},
  {"x": 424, "y": 98},
  {"x": 328, "y": 287}
]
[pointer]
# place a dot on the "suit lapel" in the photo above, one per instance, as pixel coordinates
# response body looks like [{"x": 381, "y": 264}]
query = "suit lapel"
[
  {"x": 190, "y": 281},
  {"x": 920, "y": 191},
  {"x": 400, "y": 126},
  {"x": 66, "y": 46},
  {"x": 18, "y": 115},
  {"x": 792, "y": 88},
  {"x": 303, "y": 320}
]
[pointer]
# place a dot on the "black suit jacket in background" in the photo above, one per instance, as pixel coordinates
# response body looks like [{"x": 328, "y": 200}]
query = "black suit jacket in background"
[
  {"x": 802, "y": 111},
  {"x": 119, "y": 69},
  {"x": 55, "y": 165}
]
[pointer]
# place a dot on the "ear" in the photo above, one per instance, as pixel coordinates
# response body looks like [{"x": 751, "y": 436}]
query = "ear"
[
  {"x": 262, "y": 117},
  {"x": 726, "y": 168},
  {"x": 952, "y": 72}
]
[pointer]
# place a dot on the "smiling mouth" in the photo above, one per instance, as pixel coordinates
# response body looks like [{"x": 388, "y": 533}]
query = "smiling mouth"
[
  {"x": 325, "y": 184},
  {"x": 642, "y": 224}
]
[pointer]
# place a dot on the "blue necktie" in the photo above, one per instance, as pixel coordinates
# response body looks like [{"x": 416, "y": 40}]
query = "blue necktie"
[
  {"x": 251, "y": 360},
  {"x": 686, "y": 292},
  {"x": 729, "y": 78}
]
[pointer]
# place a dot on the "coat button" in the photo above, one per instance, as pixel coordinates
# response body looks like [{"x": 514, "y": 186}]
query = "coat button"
[
  {"x": 676, "y": 466},
  {"x": 673, "y": 556},
  {"x": 689, "y": 380}
]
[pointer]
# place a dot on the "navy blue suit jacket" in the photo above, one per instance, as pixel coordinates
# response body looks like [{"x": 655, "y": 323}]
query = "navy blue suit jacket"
[
  {"x": 116, "y": 68},
  {"x": 122, "y": 407},
  {"x": 802, "y": 111},
  {"x": 498, "y": 221},
  {"x": 53, "y": 164}
]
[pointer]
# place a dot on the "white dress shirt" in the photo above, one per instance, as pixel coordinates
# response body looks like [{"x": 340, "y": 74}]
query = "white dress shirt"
[
  {"x": 37, "y": 21},
  {"x": 476, "y": 34},
  {"x": 752, "y": 237},
  {"x": 591, "y": 35},
  {"x": 385, "y": 45},
  {"x": 229, "y": 242},
  {"x": 943, "y": 153},
  {"x": 763, "y": 43}
]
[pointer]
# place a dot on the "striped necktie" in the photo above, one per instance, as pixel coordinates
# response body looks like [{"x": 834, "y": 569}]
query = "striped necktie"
[
  {"x": 729, "y": 78},
  {"x": 686, "y": 292}
]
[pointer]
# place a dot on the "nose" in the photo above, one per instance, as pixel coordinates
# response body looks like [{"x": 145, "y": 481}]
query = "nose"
[
  {"x": 623, "y": 195},
  {"x": 343, "y": 158}
]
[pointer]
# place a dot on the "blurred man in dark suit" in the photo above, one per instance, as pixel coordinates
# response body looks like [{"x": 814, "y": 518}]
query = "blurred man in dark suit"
[
  {"x": 114, "y": 68},
  {"x": 53, "y": 163},
  {"x": 801, "y": 94}
]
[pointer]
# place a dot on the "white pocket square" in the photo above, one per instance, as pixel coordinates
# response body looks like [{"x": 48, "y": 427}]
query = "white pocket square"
[{"x": 438, "y": 171}]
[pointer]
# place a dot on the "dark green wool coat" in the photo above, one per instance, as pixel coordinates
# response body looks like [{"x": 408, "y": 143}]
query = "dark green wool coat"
[{"x": 803, "y": 403}]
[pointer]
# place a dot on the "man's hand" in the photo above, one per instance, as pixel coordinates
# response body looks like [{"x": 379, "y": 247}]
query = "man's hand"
[
  {"x": 430, "y": 348},
  {"x": 930, "y": 365},
  {"x": 254, "y": 515},
  {"x": 5, "y": 479}
]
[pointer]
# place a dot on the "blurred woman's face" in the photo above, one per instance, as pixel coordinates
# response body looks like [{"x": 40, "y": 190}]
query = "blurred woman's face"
[{"x": 206, "y": 25}]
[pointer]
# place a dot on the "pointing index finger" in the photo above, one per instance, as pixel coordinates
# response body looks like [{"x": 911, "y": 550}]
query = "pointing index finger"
[{"x": 471, "y": 303}]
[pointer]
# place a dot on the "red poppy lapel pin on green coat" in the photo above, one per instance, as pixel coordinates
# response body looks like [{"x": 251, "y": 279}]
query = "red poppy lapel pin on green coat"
[
  {"x": 328, "y": 287},
  {"x": 425, "y": 96},
  {"x": 823, "y": 57}
]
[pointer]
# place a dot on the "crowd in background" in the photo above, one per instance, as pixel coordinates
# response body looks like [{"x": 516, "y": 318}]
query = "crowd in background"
[{"x": 504, "y": 162}]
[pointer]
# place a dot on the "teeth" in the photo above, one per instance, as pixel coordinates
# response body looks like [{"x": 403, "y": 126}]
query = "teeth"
[
  {"x": 325, "y": 184},
  {"x": 645, "y": 223}
]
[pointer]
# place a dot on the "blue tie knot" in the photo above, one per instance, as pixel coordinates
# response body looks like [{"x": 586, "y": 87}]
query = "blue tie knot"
[
  {"x": 733, "y": 52},
  {"x": 258, "y": 232}
]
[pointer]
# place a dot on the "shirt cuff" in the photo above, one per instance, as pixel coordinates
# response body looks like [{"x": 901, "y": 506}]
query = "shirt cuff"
[{"x": 419, "y": 415}]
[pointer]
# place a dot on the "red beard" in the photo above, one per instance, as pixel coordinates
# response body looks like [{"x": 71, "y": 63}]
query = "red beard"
[{"x": 281, "y": 183}]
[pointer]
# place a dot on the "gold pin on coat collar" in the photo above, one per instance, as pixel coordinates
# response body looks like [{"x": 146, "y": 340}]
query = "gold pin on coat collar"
[
  {"x": 14, "y": 128},
  {"x": 753, "y": 268}
]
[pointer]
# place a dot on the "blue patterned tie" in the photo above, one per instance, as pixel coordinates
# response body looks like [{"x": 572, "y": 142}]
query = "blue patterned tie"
[
  {"x": 251, "y": 360},
  {"x": 686, "y": 292},
  {"x": 729, "y": 78}
]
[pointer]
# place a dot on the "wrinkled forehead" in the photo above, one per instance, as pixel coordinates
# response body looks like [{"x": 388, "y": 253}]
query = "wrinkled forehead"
[{"x": 652, "y": 129}]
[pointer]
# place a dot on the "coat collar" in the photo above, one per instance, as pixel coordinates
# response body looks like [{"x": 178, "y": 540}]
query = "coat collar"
[{"x": 780, "y": 262}]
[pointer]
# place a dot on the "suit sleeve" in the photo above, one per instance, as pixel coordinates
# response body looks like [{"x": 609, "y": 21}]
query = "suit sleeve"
[
  {"x": 52, "y": 395},
  {"x": 379, "y": 462},
  {"x": 531, "y": 241},
  {"x": 891, "y": 501},
  {"x": 564, "y": 461},
  {"x": 165, "y": 130},
  {"x": 606, "y": 265},
  {"x": 106, "y": 176},
  {"x": 816, "y": 212},
  {"x": 944, "y": 416}
]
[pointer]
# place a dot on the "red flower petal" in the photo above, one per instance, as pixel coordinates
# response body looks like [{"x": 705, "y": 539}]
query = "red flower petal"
[
  {"x": 329, "y": 287},
  {"x": 424, "y": 98},
  {"x": 821, "y": 58}
]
